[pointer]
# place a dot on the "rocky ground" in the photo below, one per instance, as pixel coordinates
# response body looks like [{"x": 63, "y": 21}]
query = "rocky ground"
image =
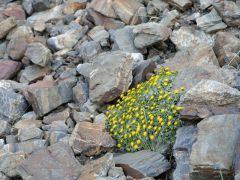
[{"x": 63, "y": 61}]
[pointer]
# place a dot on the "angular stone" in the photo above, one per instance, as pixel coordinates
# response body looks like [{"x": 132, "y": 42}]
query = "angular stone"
[
  {"x": 187, "y": 37},
  {"x": 3, "y": 177},
  {"x": 33, "y": 73},
  {"x": 226, "y": 47},
  {"x": 55, "y": 162},
  {"x": 73, "y": 5},
  {"x": 170, "y": 18},
  {"x": 66, "y": 40},
  {"x": 57, "y": 116},
  {"x": 8, "y": 69},
  {"x": 9, "y": 163},
  {"x": 15, "y": 11},
  {"x": 29, "y": 134},
  {"x": 205, "y": 3},
  {"x": 85, "y": 69},
  {"x": 156, "y": 7},
  {"x": 81, "y": 116},
  {"x": 58, "y": 136},
  {"x": 48, "y": 15},
  {"x": 45, "y": 97},
  {"x": 126, "y": 9},
  {"x": 211, "y": 22},
  {"x": 12, "y": 105},
  {"x": 147, "y": 34},
  {"x": 90, "y": 139},
  {"x": 229, "y": 11},
  {"x": 39, "y": 26},
  {"x": 210, "y": 97},
  {"x": 80, "y": 93},
  {"x": 113, "y": 78},
  {"x": 99, "y": 34},
  {"x": 213, "y": 149},
  {"x": 56, "y": 126},
  {"x": 124, "y": 40},
  {"x": 40, "y": 5},
  {"x": 97, "y": 168},
  {"x": 5, "y": 128},
  {"x": 104, "y": 7},
  {"x": 100, "y": 119},
  {"x": 6, "y": 26},
  {"x": 181, "y": 4},
  {"x": 38, "y": 54},
  {"x": 27, "y": 6},
  {"x": 154, "y": 164}
]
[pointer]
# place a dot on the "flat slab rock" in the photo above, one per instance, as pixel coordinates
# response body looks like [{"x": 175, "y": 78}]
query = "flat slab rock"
[
  {"x": 142, "y": 163},
  {"x": 53, "y": 163}
]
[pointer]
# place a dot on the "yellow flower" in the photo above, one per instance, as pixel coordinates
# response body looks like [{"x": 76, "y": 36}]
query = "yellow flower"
[
  {"x": 138, "y": 141},
  {"x": 170, "y": 118},
  {"x": 176, "y": 123},
  {"x": 162, "y": 110},
  {"x": 152, "y": 97},
  {"x": 182, "y": 88},
  {"x": 145, "y": 134},
  {"x": 132, "y": 144},
  {"x": 133, "y": 121},
  {"x": 169, "y": 123},
  {"x": 172, "y": 106},
  {"x": 136, "y": 147},
  {"x": 119, "y": 145},
  {"x": 152, "y": 137},
  {"x": 149, "y": 127},
  {"x": 165, "y": 84}
]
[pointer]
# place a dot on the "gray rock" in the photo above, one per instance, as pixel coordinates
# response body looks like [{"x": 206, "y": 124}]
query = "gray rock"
[
  {"x": 116, "y": 172},
  {"x": 57, "y": 116},
  {"x": 147, "y": 34},
  {"x": 52, "y": 163},
  {"x": 80, "y": 93},
  {"x": 48, "y": 15},
  {"x": 26, "y": 123},
  {"x": 39, "y": 26},
  {"x": 6, "y": 26},
  {"x": 40, "y": 5},
  {"x": 27, "y": 147},
  {"x": 12, "y": 105},
  {"x": 211, "y": 22},
  {"x": 154, "y": 164},
  {"x": 104, "y": 7},
  {"x": 33, "y": 73},
  {"x": 229, "y": 11},
  {"x": 5, "y": 128},
  {"x": 11, "y": 139},
  {"x": 38, "y": 54},
  {"x": 156, "y": 6},
  {"x": 90, "y": 139},
  {"x": 211, "y": 142},
  {"x": 88, "y": 50},
  {"x": 99, "y": 34},
  {"x": 57, "y": 136},
  {"x": 170, "y": 18},
  {"x": 85, "y": 69},
  {"x": 56, "y": 126},
  {"x": 210, "y": 97},
  {"x": 9, "y": 163},
  {"x": 100, "y": 119},
  {"x": 181, "y": 4},
  {"x": 187, "y": 37},
  {"x": 3, "y": 49},
  {"x": 66, "y": 40},
  {"x": 124, "y": 39},
  {"x": 113, "y": 78},
  {"x": 3, "y": 177},
  {"x": 29, "y": 134},
  {"x": 81, "y": 116},
  {"x": 205, "y": 3},
  {"x": 27, "y": 6},
  {"x": 47, "y": 97},
  {"x": 9, "y": 69}
]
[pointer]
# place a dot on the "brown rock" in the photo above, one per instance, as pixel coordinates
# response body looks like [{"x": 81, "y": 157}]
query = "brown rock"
[
  {"x": 72, "y": 7},
  {"x": 8, "y": 69},
  {"x": 104, "y": 7},
  {"x": 57, "y": 116},
  {"x": 15, "y": 11},
  {"x": 90, "y": 139},
  {"x": 6, "y": 25}
]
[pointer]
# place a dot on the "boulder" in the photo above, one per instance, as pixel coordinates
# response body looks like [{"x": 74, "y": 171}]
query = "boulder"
[
  {"x": 113, "y": 78},
  {"x": 132, "y": 164},
  {"x": 90, "y": 139},
  {"x": 6, "y": 25},
  {"x": 80, "y": 93},
  {"x": 104, "y": 7},
  {"x": 8, "y": 69},
  {"x": 156, "y": 7},
  {"x": 147, "y": 34},
  {"x": 5, "y": 128},
  {"x": 181, "y": 4},
  {"x": 57, "y": 116},
  {"x": 40, "y": 5},
  {"x": 99, "y": 34},
  {"x": 15, "y": 11},
  {"x": 29, "y": 134}
]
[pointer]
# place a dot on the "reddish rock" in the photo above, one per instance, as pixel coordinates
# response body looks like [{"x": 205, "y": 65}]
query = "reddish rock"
[
  {"x": 15, "y": 11},
  {"x": 8, "y": 69}
]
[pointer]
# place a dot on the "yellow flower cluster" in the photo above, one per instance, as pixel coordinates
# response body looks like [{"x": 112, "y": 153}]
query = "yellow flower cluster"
[{"x": 148, "y": 115}]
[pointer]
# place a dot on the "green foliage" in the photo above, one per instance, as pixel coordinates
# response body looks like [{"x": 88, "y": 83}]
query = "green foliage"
[{"x": 147, "y": 116}]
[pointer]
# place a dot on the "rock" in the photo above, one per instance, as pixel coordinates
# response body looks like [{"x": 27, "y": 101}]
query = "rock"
[
  {"x": 48, "y": 15},
  {"x": 211, "y": 142},
  {"x": 226, "y": 47},
  {"x": 3, "y": 177},
  {"x": 74, "y": 5},
  {"x": 56, "y": 126},
  {"x": 181, "y": 4},
  {"x": 9, "y": 163},
  {"x": 29, "y": 134},
  {"x": 124, "y": 40},
  {"x": 52, "y": 163},
  {"x": 100, "y": 119},
  {"x": 97, "y": 168},
  {"x": 15, "y": 11},
  {"x": 5, "y": 128},
  {"x": 147, "y": 34},
  {"x": 116, "y": 172},
  {"x": 81, "y": 116},
  {"x": 28, "y": 121},
  {"x": 126, "y": 9},
  {"x": 204, "y": 4},
  {"x": 57, "y": 116},
  {"x": 187, "y": 37},
  {"x": 3, "y": 49},
  {"x": 210, "y": 97},
  {"x": 38, "y": 54},
  {"x": 229, "y": 11},
  {"x": 12, "y": 105},
  {"x": 33, "y": 73},
  {"x": 85, "y": 69},
  {"x": 115, "y": 76},
  {"x": 46, "y": 97},
  {"x": 99, "y": 34},
  {"x": 170, "y": 18},
  {"x": 211, "y": 22},
  {"x": 185, "y": 138},
  {"x": 40, "y": 5},
  {"x": 39, "y": 26},
  {"x": 6, "y": 26},
  {"x": 104, "y": 7},
  {"x": 19, "y": 41},
  {"x": 27, "y": 6},
  {"x": 66, "y": 40},
  {"x": 88, "y": 50},
  {"x": 57, "y": 136},
  {"x": 154, "y": 164},
  {"x": 141, "y": 71},
  {"x": 90, "y": 139},
  {"x": 27, "y": 147},
  {"x": 8, "y": 69},
  {"x": 80, "y": 93},
  {"x": 156, "y": 7}
]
